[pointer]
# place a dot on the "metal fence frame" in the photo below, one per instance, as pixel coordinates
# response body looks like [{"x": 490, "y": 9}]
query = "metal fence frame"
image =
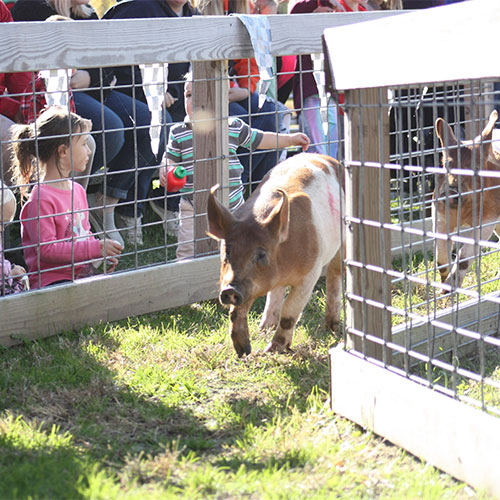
[{"x": 370, "y": 383}]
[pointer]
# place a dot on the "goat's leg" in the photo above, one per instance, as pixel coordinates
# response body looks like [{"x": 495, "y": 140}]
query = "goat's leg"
[
  {"x": 463, "y": 260},
  {"x": 443, "y": 227}
]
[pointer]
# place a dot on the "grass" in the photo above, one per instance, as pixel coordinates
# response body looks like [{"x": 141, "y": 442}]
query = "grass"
[{"x": 160, "y": 407}]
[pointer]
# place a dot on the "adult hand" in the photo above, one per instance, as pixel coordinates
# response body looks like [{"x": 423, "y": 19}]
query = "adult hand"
[
  {"x": 169, "y": 99},
  {"x": 237, "y": 94},
  {"x": 80, "y": 80}
]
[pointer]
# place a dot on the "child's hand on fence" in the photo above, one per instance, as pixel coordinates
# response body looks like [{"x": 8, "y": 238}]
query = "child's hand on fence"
[
  {"x": 110, "y": 248},
  {"x": 300, "y": 139},
  {"x": 111, "y": 263}
]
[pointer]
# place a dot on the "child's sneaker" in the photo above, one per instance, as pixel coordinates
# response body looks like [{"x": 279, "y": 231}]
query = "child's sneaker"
[
  {"x": 172, "y": 217},
  {"x": 131, "y": 227},
  {"x": 102, "y": 225}
]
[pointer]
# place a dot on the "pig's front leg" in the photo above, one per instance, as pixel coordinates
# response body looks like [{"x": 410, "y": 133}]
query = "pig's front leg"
[
  {"x": 292, "y": 308},
  {"x": 238, "y": 328},
  {"x": 272, "y": 309}
]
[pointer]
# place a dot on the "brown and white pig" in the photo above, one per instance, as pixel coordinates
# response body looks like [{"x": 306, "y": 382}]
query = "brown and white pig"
[{"x": 281, "y": 237}]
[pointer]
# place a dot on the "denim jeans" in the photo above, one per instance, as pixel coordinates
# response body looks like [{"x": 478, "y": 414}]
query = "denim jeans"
[
  {"x": 145, "y": 177},
  {"x": 264, "y": 119},
  {"x": 134, "y": 166},
  {"x": 110, "y": 135}
]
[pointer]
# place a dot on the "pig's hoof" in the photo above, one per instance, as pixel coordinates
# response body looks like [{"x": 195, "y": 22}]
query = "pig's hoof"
[
  {"x": 274, "y": 347},
  {"x": 242, "y": 350}
]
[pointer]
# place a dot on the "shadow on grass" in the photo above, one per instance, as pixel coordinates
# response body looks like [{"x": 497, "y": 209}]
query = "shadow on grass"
[{"x": 76, "y": 416}]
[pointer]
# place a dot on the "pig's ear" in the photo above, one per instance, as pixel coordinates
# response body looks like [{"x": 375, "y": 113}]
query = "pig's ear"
[
  {"x": 220, "y": 219},
  {"x": 278, "y": 220},
  {"x": 445, "y": 133}
]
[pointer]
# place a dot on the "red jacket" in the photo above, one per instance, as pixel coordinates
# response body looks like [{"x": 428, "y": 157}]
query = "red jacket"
[{"x": 11, "y": 83}]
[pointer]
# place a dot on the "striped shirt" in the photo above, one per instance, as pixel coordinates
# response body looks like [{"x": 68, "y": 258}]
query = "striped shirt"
[{"x": 180, "y": 152}]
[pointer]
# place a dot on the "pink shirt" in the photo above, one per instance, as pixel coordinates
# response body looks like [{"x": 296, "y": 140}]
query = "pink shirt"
[{"x": 55, "y": 231}]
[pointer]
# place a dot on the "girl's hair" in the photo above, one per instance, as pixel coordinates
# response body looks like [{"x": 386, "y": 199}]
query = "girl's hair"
[
  {"x": 41, "y": 139},
  {"x": 6, "y": 196},
  {"x": 64, "y": 8}
]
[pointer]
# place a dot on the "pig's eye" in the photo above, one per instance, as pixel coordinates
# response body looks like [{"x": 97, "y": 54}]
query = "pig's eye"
[{"x": 261, "y": 256}]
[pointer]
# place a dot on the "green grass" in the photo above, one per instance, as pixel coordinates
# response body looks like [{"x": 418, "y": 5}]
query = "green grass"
[{"x": 159, "y": 406}]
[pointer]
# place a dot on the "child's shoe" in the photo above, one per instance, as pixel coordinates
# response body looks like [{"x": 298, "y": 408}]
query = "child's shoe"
[
  {"x": 103, "y": 223},
  {"x": 131, "y": 227}
]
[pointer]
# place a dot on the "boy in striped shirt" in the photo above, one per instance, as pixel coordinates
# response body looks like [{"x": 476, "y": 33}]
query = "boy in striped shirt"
[{"x": 180, "y": 152}]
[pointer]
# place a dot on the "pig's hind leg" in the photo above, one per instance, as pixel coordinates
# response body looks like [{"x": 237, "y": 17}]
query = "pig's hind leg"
[
  {"x": 333, "y": 292},
  {"x": 292, "y": 308},
  {"x": 272, "y": 309}
]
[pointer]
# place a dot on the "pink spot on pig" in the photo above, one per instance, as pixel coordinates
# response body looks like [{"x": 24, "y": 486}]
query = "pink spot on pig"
[{"x": 331, "y": 202}]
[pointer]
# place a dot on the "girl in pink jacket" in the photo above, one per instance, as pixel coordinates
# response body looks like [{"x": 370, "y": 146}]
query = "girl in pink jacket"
[{"x": 58, "y": 245}]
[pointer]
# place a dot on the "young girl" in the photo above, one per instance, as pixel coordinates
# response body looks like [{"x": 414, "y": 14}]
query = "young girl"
[
  {"x": 55, "y": 230},
  {"x": 11, "y": 277}
]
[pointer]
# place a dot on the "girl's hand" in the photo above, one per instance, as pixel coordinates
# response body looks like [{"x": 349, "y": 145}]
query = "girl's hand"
[
  {"x": 110, "y": 266},
  {"x": 300, "y": 139},
  {"x": 110, "y": 248},
  {"x": 17, "y": 271},
  {"x": 163, "y": 175}
]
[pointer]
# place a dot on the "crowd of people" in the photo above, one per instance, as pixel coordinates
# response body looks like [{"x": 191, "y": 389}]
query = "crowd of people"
[{"x": 85, "y": 169}]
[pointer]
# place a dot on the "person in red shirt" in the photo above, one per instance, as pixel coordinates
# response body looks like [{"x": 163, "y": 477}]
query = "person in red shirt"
[
  {"x": 354, "y": 5},
  {"x": 12, "y": 85}
]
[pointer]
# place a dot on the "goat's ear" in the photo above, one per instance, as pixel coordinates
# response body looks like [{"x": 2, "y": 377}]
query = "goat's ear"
[
  {"x": 278, "y": 220},
  {"x": 445, "y": 134},
  {"x": 486, "y": 134},
  {"x": 220, "y": 219}
]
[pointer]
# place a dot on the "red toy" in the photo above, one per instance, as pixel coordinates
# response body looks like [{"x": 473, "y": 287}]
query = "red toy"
[{"x": 176, "y": 178}]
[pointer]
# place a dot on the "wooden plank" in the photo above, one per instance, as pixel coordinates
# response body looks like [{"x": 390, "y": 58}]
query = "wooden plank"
[
  {"x": 27, "y": 46},
  {"x": 107, "y": 298},
  {"x": 367, "y": 198},
  {"x": 211, "y": 150},
  {"x": 451, "y": 33},
  {"x": 454, "y": 437},
  {"x": 407, "y": 241},
  {"x": 473, "y": 316}
]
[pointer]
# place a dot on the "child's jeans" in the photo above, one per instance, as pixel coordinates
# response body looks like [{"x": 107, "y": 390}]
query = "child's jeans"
[
  {"x": 185, "y": 237},
  {"x": 313, "y": 127}
]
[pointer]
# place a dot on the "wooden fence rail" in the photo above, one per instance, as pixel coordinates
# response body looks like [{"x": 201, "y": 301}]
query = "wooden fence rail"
[{"x": 40, "y": 45}]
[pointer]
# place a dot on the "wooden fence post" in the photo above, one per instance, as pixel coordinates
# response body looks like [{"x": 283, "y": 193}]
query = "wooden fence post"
[
  {"x": 210, "y": 127},
  {"x": 367, "y": 199}
]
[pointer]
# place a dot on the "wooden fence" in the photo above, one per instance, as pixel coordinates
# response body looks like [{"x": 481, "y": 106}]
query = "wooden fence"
[{"x": 206, "y": 41}]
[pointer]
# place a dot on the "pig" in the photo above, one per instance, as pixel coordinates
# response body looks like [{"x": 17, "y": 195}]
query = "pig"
[
  {"x": 281, "y": 238},
  {"x": 471, "y": 199}
]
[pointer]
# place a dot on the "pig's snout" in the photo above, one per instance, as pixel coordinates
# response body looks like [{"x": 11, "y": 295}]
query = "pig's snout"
[{"x": 231, "y": 296}]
